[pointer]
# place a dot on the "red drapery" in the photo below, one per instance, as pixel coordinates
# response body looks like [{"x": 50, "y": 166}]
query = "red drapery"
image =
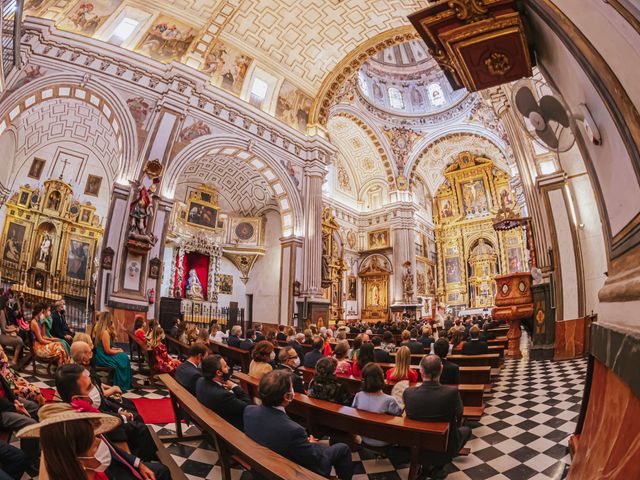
[{"x": 198, "y": 262}]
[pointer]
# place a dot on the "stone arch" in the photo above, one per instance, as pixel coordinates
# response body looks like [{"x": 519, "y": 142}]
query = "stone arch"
[
  {"x": 349, "y": 66},
  {"x": 482, "y": 139},
  {"x": 275, "y": 175},
  {"x": 96, "y": 95},
  {"x": 377, "y": 142}
]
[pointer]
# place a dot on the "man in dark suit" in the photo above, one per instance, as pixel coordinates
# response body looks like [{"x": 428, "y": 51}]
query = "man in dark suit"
[
  {"x": 315, "y": 354},
  {"x": 215, "y": 391},
  {"x": 450, "y": 371},
  {"x": 281, "y": 336},
  {"x": 258, "y": 333},
  {"x": 270, "y": 426},
  {"x": 247, "y": 343},
  {"x": 188, "y": 372},
  {"x": 289, "y": 361},
  {"x": 433, "y": 402},
  {"x": 380, "y": 355},
  {"x": 59, "y": 326},
  {"x": 409, "y": 340},
  {"x": 296, "y": 343},
  {"x": 234, "y": 336},
  {"x": 475, "y": 346},
  {"x": 426, "y": 339}
]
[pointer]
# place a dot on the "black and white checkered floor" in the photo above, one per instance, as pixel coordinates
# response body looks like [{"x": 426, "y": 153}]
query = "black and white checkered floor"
[{"x": 523, "y": 434}]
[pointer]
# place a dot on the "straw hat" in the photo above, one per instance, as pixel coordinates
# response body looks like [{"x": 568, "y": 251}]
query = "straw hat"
[{"x": 63, "y": 412}]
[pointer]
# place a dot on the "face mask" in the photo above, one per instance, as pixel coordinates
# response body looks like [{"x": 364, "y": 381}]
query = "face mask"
[
  {"x": 296, "y": 362},
  {"x": 94, "y": 395},
  {"x": 272, "y": 356},
  {"x": 102, "y": 455},
  {"x": 226, "y": 376}
]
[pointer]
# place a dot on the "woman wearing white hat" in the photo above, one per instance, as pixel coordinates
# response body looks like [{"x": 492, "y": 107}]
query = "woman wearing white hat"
[{"x": 73, "y": 447}]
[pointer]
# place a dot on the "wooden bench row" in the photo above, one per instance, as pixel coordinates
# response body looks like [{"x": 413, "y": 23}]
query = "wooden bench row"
[{"x": 317, "y": 414}]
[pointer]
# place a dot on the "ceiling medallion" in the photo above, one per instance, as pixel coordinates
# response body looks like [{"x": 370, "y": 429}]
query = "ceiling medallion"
[
  {"x": 401, "y": 183},
  {"x": 498, "y": 64}
]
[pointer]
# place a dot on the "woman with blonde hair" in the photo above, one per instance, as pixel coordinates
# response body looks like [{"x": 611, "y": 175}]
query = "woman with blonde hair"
[
  {"x": 163, "y": 362},
  {"x": 104, "y": 334},
  {"x": 402, "y": 369}
]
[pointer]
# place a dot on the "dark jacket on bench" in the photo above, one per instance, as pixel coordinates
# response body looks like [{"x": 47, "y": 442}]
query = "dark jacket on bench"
[
  {"x": 187, "y": 375},
  {"x": 229, "y": 404},
  {"x": 274, "y": 429},
  {"x": 475, "y": 347}
]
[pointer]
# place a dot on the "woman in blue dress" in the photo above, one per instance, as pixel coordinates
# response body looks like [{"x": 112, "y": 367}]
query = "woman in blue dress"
[{"x": 109, "y": 356}]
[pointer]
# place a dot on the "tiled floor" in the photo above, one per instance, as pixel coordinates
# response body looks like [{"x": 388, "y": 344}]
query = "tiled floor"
[{"x": 522, "y": 435}]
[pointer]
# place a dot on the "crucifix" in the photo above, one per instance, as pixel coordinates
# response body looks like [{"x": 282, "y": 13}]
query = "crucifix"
[{"x": 66, "y": 162}]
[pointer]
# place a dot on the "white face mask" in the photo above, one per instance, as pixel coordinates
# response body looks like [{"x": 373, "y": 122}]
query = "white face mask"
[
  {"x": 296, "y": 362},
  {"x": 102, "y": 455},
  {"x": 272, "y": 356}
]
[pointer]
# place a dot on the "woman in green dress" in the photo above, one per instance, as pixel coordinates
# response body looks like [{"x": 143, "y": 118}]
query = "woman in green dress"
[{"x": 109, "y": 356}]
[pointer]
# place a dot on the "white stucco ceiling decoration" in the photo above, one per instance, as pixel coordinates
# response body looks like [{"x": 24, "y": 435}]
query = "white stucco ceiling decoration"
[
  {"x": 357, "y": 150},
  {"x": 310, "y": 37},
  {"x": 240, "y": 188},
  {"x": 433, "y": 160}
]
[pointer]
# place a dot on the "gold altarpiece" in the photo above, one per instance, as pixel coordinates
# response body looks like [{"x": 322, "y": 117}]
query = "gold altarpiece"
[
  {"x": 470, "y": 252},
  {"x": 333, "y": 265},
  {"x": 374, "y": 274},
  {"x": 50, "y": 239}
]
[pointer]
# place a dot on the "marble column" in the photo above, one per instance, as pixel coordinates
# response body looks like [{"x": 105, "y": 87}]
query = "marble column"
[
  {"x": 314, "y": 174},
  {"x": 403, "y": 238},
  {"x": 290, "y": 248}
]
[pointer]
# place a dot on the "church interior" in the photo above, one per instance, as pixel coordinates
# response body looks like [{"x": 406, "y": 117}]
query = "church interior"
[{"x": 183, "y": 173}]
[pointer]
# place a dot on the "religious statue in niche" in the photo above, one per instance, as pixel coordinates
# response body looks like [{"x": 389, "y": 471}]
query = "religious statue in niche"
[
  {"x": 140, "y": 213},
  {"x": 193, "y": 288},
  {"x": 407, "y": 283},
  {"x": 44, "y": 252}
]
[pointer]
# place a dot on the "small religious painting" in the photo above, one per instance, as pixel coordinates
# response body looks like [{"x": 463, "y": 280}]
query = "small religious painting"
[
  {"x": 514, "y": 256},
  {"x": 452, "y": 267},
  {"x": 154, "y": 268},
  {"x": 13, "y": 243},
  {"x": 53, "y": 202},
  {"x": 431, "y": 279},
  {"x": 351, "y": 239},
  {"x": 85, "y": 217},
  {"x": 139, "y": 109},
  {"x": 37, "y": 166},
  {"x": 352, "y": 288},
  {"x": 225, "y": 284},
  {"x": 376, "y": 295},
  {"x": 167, "y": 39},
  {"x": 193, "y": 131},
  {"x": 24, "y": 198},
  {"x": 378, "y": 239},
  {"x": 78, "y": 260},
  {"x": 92, "y": 187},
  {"x": 87, "y": 16},
  {"x": 202, "y": 215},
  {"x": 293, "y": 106},
  {"x": 474, "y": 198},
  {"x": 227, "y": 66},
  {"x": 39, "y": 281},
  {"x": 505, "y": 197},
  {"x": 446, "y": 208},
  {"x": 107, "y": 258}
]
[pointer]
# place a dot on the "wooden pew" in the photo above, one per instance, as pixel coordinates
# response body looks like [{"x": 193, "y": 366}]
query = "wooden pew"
[
  {"x": 499, "y": 341},
  {"x": 490, "y": 359},
  {"x": 177, "y": 346},
  {"x": 231, "y": 443},
  {"x": 396, "y": 430},
  {"x": 236, "y": 355},
  {"x": 471, "y": 394},
  {"x": 165, "y": 457},
  {"x": 499, "y": 331}
]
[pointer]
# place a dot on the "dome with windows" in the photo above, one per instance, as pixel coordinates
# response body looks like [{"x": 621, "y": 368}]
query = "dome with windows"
[{"x": 405, "y": 79}]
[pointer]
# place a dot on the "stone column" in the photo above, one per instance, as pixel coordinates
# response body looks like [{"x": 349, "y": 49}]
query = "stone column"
[
  {"x": 403, "y": 235},
  {"x": 290, "y": 248},
  {"x": 314, "y": 174}
]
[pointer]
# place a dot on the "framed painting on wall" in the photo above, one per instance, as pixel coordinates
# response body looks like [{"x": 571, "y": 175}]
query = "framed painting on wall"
[
  {"x": 78, "y": 253},
  {"x": 92, "y": 187},
  {"x": 225, "y": 284},
  {"x": 352, "y": 288},
  {"x": 14, "y": 241},
  {"x": 378, "y": 239},
  {"x": 37, "y": 166},
  {"x": 452, "y": 269}
]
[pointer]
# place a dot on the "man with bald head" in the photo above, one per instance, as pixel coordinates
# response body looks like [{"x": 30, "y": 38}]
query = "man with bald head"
[{"x": 433, "y": 402}]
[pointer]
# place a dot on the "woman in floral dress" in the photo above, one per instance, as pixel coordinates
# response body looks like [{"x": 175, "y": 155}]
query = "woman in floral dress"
[
  {"x": 164, "y": 363},
  {"x": 43, "y": 346},
  {"x": 19, "y": 385}
]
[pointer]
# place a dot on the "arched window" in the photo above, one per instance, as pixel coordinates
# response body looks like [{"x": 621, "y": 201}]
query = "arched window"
[
  {"x": 395, "y": 98},
  {"x": 436, "y": 95}
]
